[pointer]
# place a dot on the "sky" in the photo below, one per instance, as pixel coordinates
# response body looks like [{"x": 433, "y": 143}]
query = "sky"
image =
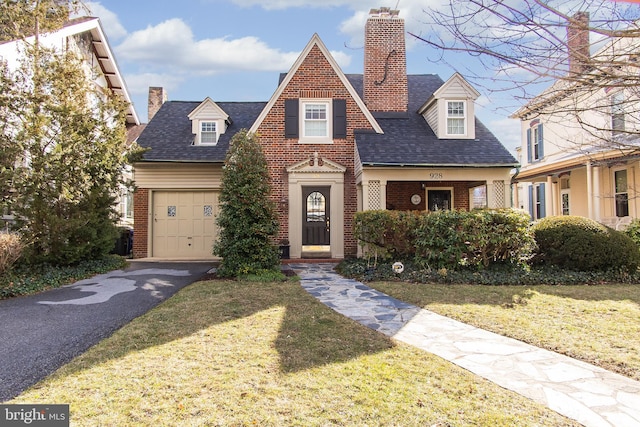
[{"x": 234, "y": 50}]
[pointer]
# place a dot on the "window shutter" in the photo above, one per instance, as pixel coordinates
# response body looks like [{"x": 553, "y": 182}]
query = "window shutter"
[
  {"x": 291, "y": 122},
  {"x": 540, "y": 141},
  {"x": 543, "y": 210},
  {"x": 529, "y": 154},
  {"x": 531, "y": 206},
  {"x": 339, "y": 118}
]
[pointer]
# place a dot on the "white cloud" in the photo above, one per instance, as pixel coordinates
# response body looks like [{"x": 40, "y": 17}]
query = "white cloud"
[
  {"x": 108, "y": 19},
  {"x": 172, "y": 42}
]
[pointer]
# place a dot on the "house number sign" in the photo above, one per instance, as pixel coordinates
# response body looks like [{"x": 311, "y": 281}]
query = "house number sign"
[{"x": 436, "y": 175}]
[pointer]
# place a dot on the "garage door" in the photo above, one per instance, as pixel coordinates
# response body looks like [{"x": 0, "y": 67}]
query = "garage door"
[{"x": 184, "y": 224}]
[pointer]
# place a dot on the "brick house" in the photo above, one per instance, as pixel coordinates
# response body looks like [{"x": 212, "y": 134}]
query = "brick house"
[{"x": 335, "y": 143}]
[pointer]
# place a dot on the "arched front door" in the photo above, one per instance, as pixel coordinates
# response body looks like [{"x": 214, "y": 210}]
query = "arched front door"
[{"x": 316, "y": 222}]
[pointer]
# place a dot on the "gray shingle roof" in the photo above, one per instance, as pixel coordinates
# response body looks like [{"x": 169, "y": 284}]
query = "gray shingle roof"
[
  {"x": 408, "y": 140},
  {"x": 169, "y": 135}
]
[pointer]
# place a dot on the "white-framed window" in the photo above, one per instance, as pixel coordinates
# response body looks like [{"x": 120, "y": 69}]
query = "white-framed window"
[
  {"x": 456, "y": 118},
  {"x": 315, "y": 121},
  {"x": 208, "y": 133},
  {"x": 535, "y": 141},
  {"x": 617, "y": 113},
  {"x": 621, "y": 192}
]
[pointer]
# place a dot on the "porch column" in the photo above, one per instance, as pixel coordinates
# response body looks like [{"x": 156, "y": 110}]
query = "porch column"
[
  {"x": 595, "y": 175},
  {"x": 516, "y": 196},
  {"x": 383, "y": 195},
  {"x": 549, "y": 198},
  {"x": 589, "y": 191},
  {"x": 365, "y": 195}
]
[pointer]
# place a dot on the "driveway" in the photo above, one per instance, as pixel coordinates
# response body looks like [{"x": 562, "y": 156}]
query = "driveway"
[{"x": 39, "y": 333}]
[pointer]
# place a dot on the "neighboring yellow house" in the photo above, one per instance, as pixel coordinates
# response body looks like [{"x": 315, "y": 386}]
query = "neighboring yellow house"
[{"x": 579, "y": 154}]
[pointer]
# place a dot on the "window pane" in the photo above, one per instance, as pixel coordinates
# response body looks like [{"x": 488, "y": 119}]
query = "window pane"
[
  {"x": 315, "y": 207},
  {"x": 208, "y": 138},
  {"x": 455, "y": 109},
  {"x": 621, "y": 181},
  {"x": 455, "y": 126},
  {"x": 313, "y": 128},
  {"x": 315, "y": 111}
]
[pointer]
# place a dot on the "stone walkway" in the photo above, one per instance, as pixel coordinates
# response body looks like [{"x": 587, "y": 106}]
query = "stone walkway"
[{"x": 588, "y": 394}]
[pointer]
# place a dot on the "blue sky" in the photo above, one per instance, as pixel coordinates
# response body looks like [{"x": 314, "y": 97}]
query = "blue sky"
[{"x": 234, "y": 50}]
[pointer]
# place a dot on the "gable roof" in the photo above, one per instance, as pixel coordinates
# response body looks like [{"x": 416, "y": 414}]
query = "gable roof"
[
  {"x": 315, "y": 41},
  {"x": 170, "y": 138},
  {"x": 102, "y": 50},
  {"x": 441, "y": 92},
  {"x": 409, "y": 141},
  {"x": 208, "y": 104}
]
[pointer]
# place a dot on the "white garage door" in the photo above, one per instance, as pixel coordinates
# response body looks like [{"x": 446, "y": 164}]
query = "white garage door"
[{"x": 184, "y": 224}]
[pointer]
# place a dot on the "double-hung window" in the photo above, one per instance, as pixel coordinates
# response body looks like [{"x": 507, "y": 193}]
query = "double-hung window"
[
  {"x": 617, "y": 113},
  {"x": 535, "y": 141},
  {"x": 208, "y": 133},
  {"x": 622, "y": 193},
  {"x": 456, "y": 118},
  {"x": 316, "y": 122}
]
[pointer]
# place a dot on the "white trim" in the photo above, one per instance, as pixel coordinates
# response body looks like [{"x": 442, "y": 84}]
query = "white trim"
[
  {"x": 305, "y": 139},
  {"x": 465, "y": 130},
  {"x": 315, "y": 41}
]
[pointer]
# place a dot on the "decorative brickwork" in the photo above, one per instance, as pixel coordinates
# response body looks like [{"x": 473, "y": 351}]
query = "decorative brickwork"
[
  {"x": 385, "y": 64},
  {"x": 141, "y": 221},
  {"x": 314, "y": 76}
]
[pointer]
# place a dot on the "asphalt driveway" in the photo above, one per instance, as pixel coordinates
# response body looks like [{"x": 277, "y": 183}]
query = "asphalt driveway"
[{"x": 39, "y": 333}]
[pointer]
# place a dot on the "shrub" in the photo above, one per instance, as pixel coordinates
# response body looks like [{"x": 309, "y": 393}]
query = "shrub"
[
  {"x": 633, "y": 231},
  {"x": 578, "y": 243},
  {"x": 11, "y": 248},
  {"x": 247, "y": 216},
  {"x": 480, "y": 238},
  {"x": 391, "y": 233},
  {"x": 447, "y": 239}
]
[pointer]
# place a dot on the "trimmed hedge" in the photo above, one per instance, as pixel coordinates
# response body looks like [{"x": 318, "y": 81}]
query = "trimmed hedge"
[
  {"x": 578, "y": 243},
  {"x": 447, "y": 239}
]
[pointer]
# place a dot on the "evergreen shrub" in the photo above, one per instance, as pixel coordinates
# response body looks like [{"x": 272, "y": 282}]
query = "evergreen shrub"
[
  {"x": 582, "y": 244},
  {"x": 247, "y": 219}
]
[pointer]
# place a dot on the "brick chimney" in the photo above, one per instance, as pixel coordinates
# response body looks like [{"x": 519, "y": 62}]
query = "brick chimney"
[
  {"x": 578, "y": 42},
  {"x": 385, "y": 62},
  {"x": 157, "y": 97}
]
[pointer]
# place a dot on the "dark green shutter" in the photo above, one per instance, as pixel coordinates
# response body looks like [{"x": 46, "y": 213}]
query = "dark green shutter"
[
  {"x": 291, "y": 122},
  {"x": 339, "y": 118}
]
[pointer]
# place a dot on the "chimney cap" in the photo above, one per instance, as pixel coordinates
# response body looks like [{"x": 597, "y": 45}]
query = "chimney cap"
[{"x": 384, "y": 12}]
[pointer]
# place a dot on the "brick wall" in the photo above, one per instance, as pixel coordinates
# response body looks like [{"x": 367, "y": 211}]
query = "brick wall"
[
  {"x": 385, "y": 69},
  {"x": 314, "y": 76},
  {"x": 399, "y": 194},
  {"x": 141, "y": 222}
]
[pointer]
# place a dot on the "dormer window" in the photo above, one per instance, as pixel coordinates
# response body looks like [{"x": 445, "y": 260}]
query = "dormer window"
[
  {"x": 456, "y": 118},
  {"x": 208, "y": 133}
]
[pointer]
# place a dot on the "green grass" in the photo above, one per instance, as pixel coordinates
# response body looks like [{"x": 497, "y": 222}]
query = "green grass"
[
  {"x": 598, "y": 324},
  {"x": 247, "y": 353}
]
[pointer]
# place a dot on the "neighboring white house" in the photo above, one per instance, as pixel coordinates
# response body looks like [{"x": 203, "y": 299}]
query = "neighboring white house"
[
  {"x": 579, "y": 154},
  {"x": 85, "y": 36}
]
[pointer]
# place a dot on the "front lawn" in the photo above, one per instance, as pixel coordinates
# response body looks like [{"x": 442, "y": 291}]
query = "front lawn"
[
  {"x": 239, "y": 353},
  {"x": 599, "y": 324}
]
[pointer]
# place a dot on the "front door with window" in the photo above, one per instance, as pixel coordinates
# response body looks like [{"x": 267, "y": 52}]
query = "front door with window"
[
  {"x": 439, "y": 200},
  {"x": 316, "y": 221}
]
